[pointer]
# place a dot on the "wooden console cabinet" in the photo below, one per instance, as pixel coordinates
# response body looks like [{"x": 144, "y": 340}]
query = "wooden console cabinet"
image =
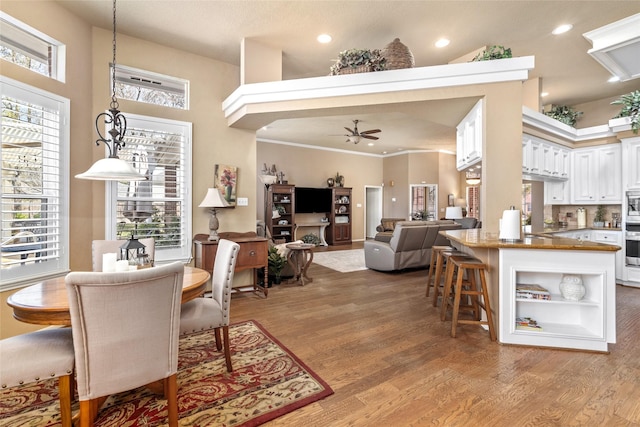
[{"x": 254, "y": 252}]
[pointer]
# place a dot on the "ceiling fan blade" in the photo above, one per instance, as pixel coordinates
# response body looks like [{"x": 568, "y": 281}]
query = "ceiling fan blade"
[
  {"x": 352, "y": 132},
  {"x": 370, "y": 131},
  {"x": 368, "y": 136}
]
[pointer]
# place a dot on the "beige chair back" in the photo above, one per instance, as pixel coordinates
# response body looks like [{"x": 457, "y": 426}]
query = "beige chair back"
[
  {"x": 125, "y": 327},
  {"x": 223, "y": 272},
  {"x": 101, "y": 247}
]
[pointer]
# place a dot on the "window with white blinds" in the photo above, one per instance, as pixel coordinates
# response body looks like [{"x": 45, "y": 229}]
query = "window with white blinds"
[
  {"x": 35, "y": 208},
  {"x": 160, "y": 206}
]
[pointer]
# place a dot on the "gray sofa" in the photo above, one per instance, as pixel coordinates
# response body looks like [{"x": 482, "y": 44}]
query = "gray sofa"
[{"x": 409, "y": 247}]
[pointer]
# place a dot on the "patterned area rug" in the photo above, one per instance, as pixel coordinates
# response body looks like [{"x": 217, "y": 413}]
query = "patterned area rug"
[
  {"x": 268, "y": 381},
  {"x": 342, "y": 261}
]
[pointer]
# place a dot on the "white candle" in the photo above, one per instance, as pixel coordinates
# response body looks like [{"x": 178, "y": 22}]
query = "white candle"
[
  {"x": 109, "y": 262},
  {"x": 122, "y": 265}
]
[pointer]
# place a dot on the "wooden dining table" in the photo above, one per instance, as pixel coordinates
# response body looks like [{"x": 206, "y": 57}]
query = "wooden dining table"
[{"x": 46, "y": 303}]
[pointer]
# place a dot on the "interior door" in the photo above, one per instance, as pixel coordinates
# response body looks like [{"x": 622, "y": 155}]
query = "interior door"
[{"x": 373, "y": 210}]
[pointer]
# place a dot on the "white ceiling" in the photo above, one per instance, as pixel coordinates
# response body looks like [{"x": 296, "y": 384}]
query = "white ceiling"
[{"x": 215, "y": 29}]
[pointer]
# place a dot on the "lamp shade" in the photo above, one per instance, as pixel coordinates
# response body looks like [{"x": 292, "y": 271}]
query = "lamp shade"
[
  {"x": 111, "y": 169},
  {"x": 453, "y": 212},
  {"x": 213, "y": 199}
]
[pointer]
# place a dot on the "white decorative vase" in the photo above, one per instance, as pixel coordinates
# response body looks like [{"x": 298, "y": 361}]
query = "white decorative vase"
[{"x": 571, "y": 287}]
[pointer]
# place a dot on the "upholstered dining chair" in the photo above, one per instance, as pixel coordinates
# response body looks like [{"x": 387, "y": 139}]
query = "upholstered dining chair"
[
  {"x": 213, "y": 313},
  {"x": 125, "y": 334},
  {"x": 101, "y": 247},
  {"x": 38, "y": 356}
]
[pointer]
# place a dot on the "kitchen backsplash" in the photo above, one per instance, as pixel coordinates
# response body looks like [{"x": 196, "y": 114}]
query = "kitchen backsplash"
[{"x": 568, "y": 214}]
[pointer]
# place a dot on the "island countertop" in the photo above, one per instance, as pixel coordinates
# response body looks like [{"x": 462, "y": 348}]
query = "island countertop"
[{"x": 477, "y": 238}]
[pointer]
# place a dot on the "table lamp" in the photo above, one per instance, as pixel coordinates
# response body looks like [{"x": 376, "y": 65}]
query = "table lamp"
[
  {"x": 453, "y": 212},
  {"x": 213, "y": 200}
]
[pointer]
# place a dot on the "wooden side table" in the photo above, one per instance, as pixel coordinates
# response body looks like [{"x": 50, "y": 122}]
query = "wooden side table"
[
  {"x": 300, "y": 257},
  {"x": 254, "y": 253}
]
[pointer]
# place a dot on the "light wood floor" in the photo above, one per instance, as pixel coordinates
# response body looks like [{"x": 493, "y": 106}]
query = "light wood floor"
[{"x": 377, "y": 341}]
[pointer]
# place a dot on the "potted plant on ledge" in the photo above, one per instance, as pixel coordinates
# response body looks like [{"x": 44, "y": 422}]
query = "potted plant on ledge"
[
  {"x": 277, "y": 263},
  {"x": 630, "y": 108}
]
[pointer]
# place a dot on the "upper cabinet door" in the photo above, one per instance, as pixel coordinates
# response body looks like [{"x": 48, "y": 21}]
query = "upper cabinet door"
[
  {"x": 631, "y": 165},
  {"x": 469, "y": 138},
  {"x": 610, "y": 174}
]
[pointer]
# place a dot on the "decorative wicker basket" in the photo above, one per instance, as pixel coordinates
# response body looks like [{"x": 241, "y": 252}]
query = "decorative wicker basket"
[
  {"x": 355, "y": 70},
  {"x": 398, "y": 56}
]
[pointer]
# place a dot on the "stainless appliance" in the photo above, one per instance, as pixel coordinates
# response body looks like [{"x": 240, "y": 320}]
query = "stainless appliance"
[
  {"x": 633, "y": 207},
  {"x": 632, "y": 245}
]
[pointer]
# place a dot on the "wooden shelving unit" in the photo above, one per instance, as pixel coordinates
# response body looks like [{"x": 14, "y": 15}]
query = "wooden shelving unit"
[
  {"x": 281, "y": 198},
  {"x": 339, "y": 230}
]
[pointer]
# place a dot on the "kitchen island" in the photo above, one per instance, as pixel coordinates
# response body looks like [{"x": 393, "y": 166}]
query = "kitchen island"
[{"x": 586, "y": 324}]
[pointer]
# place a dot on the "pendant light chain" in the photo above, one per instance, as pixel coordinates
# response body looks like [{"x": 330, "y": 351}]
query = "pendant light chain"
[{"x": 114, "y": 100}]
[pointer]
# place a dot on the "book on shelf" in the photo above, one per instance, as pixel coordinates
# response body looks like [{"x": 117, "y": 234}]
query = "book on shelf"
[
  {"x": 527, "y": 324},
  {"x": 532, "y": 291}
]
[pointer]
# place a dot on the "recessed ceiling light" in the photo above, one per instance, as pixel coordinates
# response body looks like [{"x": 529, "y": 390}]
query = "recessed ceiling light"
[
  {"x": 370, "y": 144},
  {"x": 384, "y": 152},
  {"x": 543, "y": 94},
  {"x": 614, "y": 79},
  {"x": 324, "y": 38},
  {"x": 442, "y": 42},
  {"x": 562, "y": 29}
]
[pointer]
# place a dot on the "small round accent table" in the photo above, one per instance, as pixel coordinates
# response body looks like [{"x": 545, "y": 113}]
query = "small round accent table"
[{"x": 299, "y": 258}]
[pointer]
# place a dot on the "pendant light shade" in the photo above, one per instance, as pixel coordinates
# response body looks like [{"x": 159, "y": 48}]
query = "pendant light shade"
[{"x": 112, "y": 168}]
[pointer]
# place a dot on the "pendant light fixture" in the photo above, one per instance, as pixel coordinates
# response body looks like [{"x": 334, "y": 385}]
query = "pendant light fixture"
[{"x": 112, "y": 168}]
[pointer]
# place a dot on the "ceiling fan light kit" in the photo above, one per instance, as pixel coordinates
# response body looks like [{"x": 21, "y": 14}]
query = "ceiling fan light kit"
[{"x": 354, "y": 135}]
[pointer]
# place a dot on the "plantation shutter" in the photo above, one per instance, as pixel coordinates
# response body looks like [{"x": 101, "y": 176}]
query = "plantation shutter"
[
  {"x": 34, "y": 183},
  {"x": 158, "y": 207}
]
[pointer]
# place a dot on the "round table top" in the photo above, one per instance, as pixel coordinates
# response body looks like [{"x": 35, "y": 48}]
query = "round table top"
[
  {"x": 46, "y": 303},
  {"x": 300, "y": 246}
]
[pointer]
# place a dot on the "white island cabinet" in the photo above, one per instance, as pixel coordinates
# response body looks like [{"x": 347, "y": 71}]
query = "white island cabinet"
[{"x": 587, "y": 324}]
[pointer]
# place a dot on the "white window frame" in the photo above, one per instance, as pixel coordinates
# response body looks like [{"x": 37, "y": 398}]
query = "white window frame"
[
  {"x": 137, "y": 77},
  {"x": 30, "y": 46},
  {"x": 59, "y": 264},
  {"x": 162, "y": 255}
]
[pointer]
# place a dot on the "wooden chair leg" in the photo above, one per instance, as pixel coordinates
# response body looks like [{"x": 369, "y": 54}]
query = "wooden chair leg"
[
  {"x": 446, "y": 292},
  {"x": 89, "y": 411},
  {"x": 432, "y": 266},
  {"x": 66, "y": 391},
  {"x": 487, "y": 306},
  {"x": 227, "y": 348},
  {"x": 218, "y": 342},
  {"x": 171, "y": 393},
  {"x": 436, "y": 280}
]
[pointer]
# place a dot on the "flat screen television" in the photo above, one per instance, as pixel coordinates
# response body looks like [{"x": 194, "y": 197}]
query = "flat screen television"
[{"x": 312, "y": 200}]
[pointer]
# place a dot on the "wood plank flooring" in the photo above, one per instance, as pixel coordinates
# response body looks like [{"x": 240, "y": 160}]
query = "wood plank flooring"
[{"x": 380, "y": 344}]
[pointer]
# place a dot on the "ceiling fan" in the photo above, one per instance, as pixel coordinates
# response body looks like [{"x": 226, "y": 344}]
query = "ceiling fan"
[{"x": 354, "y": 135}]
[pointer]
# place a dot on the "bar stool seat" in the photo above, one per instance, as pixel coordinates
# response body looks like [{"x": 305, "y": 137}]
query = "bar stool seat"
[{"x": 469, "y": 287}]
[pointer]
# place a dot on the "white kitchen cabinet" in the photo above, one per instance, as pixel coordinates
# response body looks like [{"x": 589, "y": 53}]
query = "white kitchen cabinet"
[
  {"x": 610, "y": 174},
  {"x": 543, "y": 160},
  {"x": 557, "y": 193},
  {"x": 588, "y": 324},
  {"x": 612, "y": 237},
  {"x": 596, "y": 176},
  {"x": 631, "y": 165},
  {"x": 561, "y": 162},
  {"x": 469, "y": 137}
]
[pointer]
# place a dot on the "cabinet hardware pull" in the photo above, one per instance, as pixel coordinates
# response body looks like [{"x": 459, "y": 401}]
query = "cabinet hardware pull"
[{"x": 252, "y": 253}]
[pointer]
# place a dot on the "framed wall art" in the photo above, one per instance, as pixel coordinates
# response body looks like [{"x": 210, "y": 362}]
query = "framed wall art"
[{"x": 225, "y": 179}]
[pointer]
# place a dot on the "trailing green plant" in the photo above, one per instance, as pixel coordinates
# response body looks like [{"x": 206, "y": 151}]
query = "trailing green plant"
[
  {"x": 564, "y": 114},
  {"x": 276, "y": 262},
  {"x": 353, "y": 58},
  {"x": 493, "y": 52},
  {"x": 630, "y": 108},
  {"x": 311, "y": 238}
]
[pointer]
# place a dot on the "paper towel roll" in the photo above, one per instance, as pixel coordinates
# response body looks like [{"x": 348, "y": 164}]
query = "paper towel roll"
[{"x": 510, "y": 225}]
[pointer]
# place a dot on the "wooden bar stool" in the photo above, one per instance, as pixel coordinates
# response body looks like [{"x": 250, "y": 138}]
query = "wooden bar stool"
[
  {"x": 470, "y": 289},
  {"x": 442, "y": 264},
  {"x": 434, "y": 266}
]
